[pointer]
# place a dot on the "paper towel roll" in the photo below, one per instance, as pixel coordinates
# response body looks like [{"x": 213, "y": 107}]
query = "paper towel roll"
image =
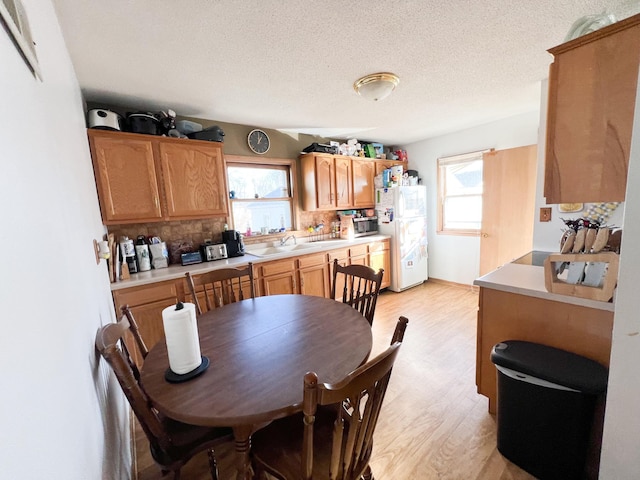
[{"x": 181, "y": 333}]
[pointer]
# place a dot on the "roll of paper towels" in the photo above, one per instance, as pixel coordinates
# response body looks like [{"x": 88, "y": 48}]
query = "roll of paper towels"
[{"x": 181, "y": 333}]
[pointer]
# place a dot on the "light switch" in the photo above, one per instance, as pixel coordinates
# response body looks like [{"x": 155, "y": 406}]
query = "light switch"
[{"x": 545, "y": 214}]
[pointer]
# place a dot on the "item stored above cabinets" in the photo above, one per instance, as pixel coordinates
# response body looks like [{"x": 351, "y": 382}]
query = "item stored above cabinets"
[
  {"x": 321, "y": 148},
  {"x": 103, "y": 119}
]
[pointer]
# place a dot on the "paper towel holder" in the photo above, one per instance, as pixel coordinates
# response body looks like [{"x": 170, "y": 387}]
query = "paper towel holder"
[{"x": 173, "y": 377}]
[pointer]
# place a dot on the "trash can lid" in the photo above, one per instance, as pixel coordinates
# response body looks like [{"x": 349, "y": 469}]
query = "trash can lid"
[{"x": 551, "y": 364}]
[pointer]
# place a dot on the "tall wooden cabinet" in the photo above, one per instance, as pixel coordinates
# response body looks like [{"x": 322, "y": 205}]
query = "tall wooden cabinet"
[
  {"x": 327, "y": 182},
  {"x": 592, "y": 91},
  {"x": 145, "y": 178},
  {"x": 363, "y": 173}
]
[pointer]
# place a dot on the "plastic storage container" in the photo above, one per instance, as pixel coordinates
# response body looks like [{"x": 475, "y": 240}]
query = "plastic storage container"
[{"x": 546, "y": 403}]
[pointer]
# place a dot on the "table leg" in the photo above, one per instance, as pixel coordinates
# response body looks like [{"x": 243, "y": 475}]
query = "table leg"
[{"x": 242, "y": 437}]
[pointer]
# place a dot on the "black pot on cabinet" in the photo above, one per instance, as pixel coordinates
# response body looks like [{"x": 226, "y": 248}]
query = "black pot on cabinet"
[
  {"x": 233, "y": 240},
  {"x": 143, "y": 122}
]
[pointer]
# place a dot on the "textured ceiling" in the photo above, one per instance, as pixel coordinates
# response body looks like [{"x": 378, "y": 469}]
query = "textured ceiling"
[{"x": 291, "y": 64}]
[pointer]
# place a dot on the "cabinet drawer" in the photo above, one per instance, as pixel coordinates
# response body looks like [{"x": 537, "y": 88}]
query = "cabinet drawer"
[
  {"x": 312, "y": 260},
  {"x": 358, "y": 250},
  {"x": 274, "y": 268},
  {"x": 145, "y": 294},
  {"x": 341, "y": 254},
  {"x": 379, "y": 246}
]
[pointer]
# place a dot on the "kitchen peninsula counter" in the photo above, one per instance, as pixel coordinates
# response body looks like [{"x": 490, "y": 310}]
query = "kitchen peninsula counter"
[{"x": 515, "y": 305}]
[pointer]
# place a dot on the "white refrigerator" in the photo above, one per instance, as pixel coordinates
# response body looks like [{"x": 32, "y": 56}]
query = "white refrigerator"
[{"x": 402, "y": 214}]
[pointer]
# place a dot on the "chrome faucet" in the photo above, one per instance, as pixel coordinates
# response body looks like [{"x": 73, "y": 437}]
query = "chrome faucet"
[{"x": 284, "y": 239}]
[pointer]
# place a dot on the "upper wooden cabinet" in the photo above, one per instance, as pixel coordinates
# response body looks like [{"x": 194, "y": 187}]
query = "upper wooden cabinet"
[
  {"x": 333, "y": 182},
  {"x": 592, "y": 91},
  {"x": 126, "y": 177},
  {"x": 327, "y": 182},
  {"x": 144, "y": 178},
  {"x": 194, "y": 179},
  {"x": 363, "y": 189}
]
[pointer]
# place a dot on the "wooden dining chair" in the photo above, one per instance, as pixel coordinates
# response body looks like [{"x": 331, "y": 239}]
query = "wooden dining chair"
[
  {"x": 360, "y": 287},
  {"x": 328, "y": 442},
  {"x": 172, "y": 443},
  {"x": 222, "y": 286},
  {"x": 135, "y": 331}
]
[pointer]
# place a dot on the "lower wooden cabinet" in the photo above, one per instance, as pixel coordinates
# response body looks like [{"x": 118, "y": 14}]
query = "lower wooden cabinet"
[
  {"x": 380, "y": 257},
  {"x": 278, "y": 277},
  {"x": 314, "y": 275},
  {"x": 146, "y": 303}
]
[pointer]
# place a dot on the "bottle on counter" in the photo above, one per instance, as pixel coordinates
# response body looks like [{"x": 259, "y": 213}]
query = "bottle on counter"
[
  {"x": 142, "y": 253},
  {"x": 128, "y": 253}
]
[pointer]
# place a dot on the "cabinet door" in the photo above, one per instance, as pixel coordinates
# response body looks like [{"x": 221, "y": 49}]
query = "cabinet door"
[
  {"x": 194, "y": 179},
  {"x": 325, "y": 183},
  {"x": 315, "y": 281},
  {"x": 592, "y": 90},
  {"x": 363, "y": 183},
  {"x": 125, "y": 176},
  {"x": 314, "y": 275},
  {"x": 381, "y": 259},
  {"x": 384, "y": 164},
  {"x": 344, "y": 182}
]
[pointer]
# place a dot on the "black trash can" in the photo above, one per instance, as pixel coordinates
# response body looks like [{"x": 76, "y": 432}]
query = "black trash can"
[{"x": 546, "y": 403}]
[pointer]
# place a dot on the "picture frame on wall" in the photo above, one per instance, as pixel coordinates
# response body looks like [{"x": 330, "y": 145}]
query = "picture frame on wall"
[{"x": 15, "y": 21}]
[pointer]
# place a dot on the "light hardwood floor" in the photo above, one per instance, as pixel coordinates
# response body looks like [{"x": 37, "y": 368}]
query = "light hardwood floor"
[{"x": 433, "y": 424}]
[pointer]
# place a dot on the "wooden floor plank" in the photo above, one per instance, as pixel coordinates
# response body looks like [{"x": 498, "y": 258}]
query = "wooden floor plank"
[{"x": 433, "y": 424}]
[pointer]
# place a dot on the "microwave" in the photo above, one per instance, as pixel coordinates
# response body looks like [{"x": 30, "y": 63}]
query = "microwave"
[{"x": 365, "y": 226}]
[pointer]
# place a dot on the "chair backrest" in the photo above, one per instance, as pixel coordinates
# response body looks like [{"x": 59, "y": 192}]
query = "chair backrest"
[
  {"x": 359, "y": 397},
  {"x": 361, "y": 287},
  {"x": 135, "y": 332},
  {"x": 222, "y": 286},
  {"x": 110, "y": 344}
]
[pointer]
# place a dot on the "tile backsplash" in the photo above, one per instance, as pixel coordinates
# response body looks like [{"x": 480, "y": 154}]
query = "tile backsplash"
[{"x": 197, "y": 231}]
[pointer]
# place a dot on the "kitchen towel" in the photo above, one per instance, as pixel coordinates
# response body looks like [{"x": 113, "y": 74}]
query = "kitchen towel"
[{"x": 181, "y": 333}]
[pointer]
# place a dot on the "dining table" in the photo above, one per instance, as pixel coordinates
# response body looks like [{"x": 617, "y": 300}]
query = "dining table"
[{"x": 259, "y": 350}]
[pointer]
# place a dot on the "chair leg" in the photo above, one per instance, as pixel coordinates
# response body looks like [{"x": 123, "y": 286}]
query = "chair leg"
[
  {"x": 367, "y": 475},
  {"x": 213, "y": 466}
]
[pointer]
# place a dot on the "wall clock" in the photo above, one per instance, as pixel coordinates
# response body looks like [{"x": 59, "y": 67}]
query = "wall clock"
[{"x": 258, "y": 141}]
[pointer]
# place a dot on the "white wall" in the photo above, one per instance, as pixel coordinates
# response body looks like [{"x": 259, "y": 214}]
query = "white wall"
[
  {"x": 457, "y": 258},
  {"x": 61, "y": 415},
  {"x": 620, "y": 458}
]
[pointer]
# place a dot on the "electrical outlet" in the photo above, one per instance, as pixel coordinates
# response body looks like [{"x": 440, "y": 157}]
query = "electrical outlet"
[{"x": 545, "y": 214}]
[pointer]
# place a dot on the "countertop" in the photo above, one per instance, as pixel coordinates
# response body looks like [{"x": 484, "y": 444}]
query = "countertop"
[
  {"x": 525, "y": 278},
  {"x": 178, "y": 271}
]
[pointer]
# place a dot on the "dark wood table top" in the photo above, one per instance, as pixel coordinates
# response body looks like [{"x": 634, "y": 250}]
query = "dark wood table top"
[{"x": 260, "y": 350}]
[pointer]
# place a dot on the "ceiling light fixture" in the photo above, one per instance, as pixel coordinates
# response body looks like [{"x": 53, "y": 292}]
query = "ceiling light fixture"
[{"x": 376, "y": 86}]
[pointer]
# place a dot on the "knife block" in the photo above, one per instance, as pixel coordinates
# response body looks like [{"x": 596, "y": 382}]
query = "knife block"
[{"x": 603, "y": 292}]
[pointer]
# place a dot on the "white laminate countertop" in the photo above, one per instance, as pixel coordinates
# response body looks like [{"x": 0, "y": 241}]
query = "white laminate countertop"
[
  {"x": 529, "y": 280},
  {"x": 174, "y": 272}
]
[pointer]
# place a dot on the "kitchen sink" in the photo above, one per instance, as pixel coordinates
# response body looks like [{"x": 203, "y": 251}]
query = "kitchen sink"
[{"x": 268, "y": 251}]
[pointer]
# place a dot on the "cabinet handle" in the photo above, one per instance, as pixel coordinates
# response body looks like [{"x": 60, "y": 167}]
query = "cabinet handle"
[{"x": 155, "y": 201}]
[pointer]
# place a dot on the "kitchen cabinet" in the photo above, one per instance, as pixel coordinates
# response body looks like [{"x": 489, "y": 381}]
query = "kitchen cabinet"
[
  {"x": 358, "y": 255},
  {"x": 380, "y": 257},
  {"x": 194, "y": 179},
  {"x": 314, "y": 275},
  {"x": 277, "y": 277},
  {"x": 126, "y": 177},
  {"x": 504, "y": 315},
  {"x": 146, "y": 178},
  {"x": 146, "y": 303},
  {"x": 382, "y": 165},
  {"x": 363, "y": 173},
  {"x": 592, "y": 90},
  {"x": 327, "y": 182}
]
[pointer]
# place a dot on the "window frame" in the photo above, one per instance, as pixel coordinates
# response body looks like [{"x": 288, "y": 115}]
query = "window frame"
[
  {"x": 442, "y": 164},
  {"x": 266, "y": 162}
]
